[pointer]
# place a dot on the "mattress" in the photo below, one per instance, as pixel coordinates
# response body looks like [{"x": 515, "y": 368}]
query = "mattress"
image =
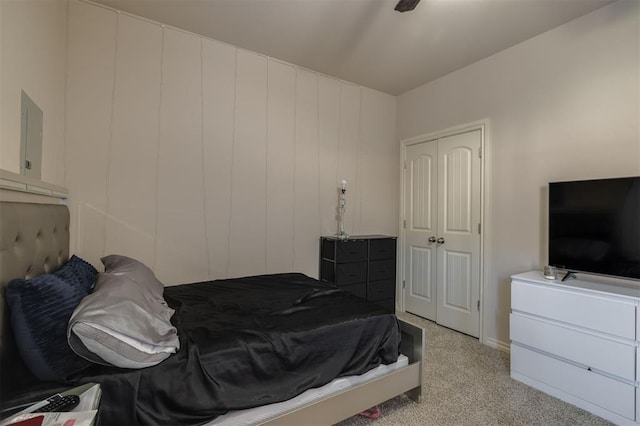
[{"x": 265, "y": 413}]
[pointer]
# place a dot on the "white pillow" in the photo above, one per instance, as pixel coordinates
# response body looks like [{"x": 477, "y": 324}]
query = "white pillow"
[
  {"x": 134, "y": 270},
  {"x": 122, "y": 323}
]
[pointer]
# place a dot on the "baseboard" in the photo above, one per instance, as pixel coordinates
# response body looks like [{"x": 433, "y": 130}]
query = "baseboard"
[{"x": 497, "y": 344}]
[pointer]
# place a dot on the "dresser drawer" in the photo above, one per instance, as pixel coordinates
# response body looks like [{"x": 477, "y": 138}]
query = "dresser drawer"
[
  {"x": 382, "y": 269},
  {"x": 595, "y": 388},
  {"x": 342, "y": 251},
  {"x": 638, "y": 372},
  {"x": 382, "y": 248},
  {"x": 351, "y": 273},
  {"x": 378, "y": 290},
  {"x": 596, "y": 352},
  {"x": 386, "y": 304},
  {"x": 638, "y": 405},
  {"x": 607, "y": 315},
  {"x": 351, "y": 251},
  {"x": 359, "y": 290}
]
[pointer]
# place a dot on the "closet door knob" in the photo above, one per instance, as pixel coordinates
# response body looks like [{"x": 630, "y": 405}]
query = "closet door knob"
[
  {"x": 440, "y": 240},
  {"x": 432, "y": 239}
]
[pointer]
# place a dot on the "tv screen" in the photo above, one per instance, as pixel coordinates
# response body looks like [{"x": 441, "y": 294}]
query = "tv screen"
[{"x": 594, "y": 226}]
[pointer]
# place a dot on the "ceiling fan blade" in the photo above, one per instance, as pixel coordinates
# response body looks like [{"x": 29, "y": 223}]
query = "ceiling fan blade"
[{"x": 406, "y": 5}]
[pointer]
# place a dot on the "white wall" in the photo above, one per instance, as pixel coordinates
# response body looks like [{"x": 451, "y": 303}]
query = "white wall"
[
  {"x": 563, "y": 105},
  {"x": 33, "y": 46},
  {"x": 207, "y": 161}
]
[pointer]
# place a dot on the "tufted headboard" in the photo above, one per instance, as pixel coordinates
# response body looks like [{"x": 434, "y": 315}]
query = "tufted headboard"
[{"x": 34, "y": 239}]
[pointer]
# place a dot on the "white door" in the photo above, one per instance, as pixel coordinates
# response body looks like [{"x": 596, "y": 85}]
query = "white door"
[
  {"x": 421, "y": 196},
  {"x": 442, "y": 234},
  {"x": 459, "y": 232}
]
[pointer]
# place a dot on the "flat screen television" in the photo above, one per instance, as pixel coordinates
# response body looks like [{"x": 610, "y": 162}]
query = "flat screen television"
[{"x": 594, "y": 226}]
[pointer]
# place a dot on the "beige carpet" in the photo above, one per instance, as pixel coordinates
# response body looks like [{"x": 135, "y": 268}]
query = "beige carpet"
[{"x": 468, "y": 383}]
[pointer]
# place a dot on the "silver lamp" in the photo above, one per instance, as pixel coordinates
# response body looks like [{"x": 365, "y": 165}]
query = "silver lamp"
[{"x": 342, "y": 190}]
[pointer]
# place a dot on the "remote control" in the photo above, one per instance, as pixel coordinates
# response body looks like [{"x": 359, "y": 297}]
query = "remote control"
[{"x": 60, "y": 403}]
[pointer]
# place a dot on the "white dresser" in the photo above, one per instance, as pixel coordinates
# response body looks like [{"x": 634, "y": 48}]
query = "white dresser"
[{"x": 578, "y": 341}]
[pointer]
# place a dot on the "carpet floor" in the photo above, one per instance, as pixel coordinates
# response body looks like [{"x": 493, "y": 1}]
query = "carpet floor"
[{"x": 468, "y": 383}]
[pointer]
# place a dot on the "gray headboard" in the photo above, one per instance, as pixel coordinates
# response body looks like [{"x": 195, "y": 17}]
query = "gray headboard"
[{"x": 34, "y": 239}]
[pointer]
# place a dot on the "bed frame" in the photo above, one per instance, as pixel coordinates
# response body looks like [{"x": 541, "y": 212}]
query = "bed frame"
[{"x": 34, "y": 239}]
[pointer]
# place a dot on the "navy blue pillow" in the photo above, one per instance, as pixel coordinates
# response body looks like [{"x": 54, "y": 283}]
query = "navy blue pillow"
[
  {"x": 78, "y": 273},
  {"x": 40, "y": 311}
]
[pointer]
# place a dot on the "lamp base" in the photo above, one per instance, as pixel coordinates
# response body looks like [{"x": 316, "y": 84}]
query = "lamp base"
[{"x": 342, "y": 236}]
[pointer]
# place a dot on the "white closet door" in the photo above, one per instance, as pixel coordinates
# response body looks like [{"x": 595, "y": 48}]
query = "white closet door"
[
  {"x": 458, "y": 234},
  {"x": 421, "y": 161},
  {"x": 441, "y": 247}
]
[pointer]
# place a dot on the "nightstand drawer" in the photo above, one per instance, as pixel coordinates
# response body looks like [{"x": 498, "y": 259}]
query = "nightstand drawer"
[
  {"x": 383, "y": 248},
  {"x": 351, "y": 273},
  {"x": 378, "y": 290},
  {"x": 382, "y": 269}
]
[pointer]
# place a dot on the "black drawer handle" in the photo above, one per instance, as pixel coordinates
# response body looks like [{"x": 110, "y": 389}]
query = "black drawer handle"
[
  {"x": 353, "y": 252},
  {"x": 352, "y": 274}
]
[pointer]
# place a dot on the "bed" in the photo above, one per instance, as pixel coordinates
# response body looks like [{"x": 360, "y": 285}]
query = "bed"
[{"x": 34, "y": 239}]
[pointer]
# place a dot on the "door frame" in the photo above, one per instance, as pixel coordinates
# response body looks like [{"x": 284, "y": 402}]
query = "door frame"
[{"x": 485, "y": 212}]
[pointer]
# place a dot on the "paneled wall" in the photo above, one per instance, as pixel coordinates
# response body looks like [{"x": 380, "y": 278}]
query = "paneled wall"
[{"x": 205, "y": 161}]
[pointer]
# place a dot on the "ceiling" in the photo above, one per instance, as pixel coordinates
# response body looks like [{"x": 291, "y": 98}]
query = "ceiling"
[{"x": 366, "y": 41}]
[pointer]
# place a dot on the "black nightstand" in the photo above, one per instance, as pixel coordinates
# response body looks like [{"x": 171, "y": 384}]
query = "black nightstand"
[{"x": 364, "y": 265}]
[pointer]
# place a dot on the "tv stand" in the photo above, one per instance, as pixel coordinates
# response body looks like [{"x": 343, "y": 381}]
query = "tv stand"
[
  {"x": 569, "y": 274},
  {"x": 578, "y": 341}
]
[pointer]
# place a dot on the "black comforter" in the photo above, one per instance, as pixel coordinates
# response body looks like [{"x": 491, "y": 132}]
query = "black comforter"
[{"x": 247, "y": 342}]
